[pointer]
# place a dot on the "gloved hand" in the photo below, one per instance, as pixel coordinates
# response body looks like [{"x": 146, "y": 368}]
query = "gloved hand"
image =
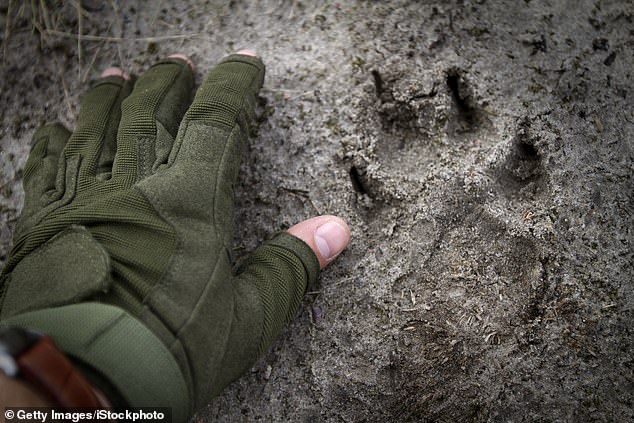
[{"x": 134, "y": 210}]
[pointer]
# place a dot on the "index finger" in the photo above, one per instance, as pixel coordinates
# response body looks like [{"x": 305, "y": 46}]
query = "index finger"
[
  {"x": 227, "y": 96},
  {"x": 213, "y": 135}
]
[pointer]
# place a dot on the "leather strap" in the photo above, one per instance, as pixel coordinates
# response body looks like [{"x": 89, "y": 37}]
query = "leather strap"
[{"x": 47, "y": 368}]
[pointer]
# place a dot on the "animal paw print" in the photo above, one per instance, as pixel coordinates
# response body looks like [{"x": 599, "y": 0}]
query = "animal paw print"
[{"x": 413, "y": 126}]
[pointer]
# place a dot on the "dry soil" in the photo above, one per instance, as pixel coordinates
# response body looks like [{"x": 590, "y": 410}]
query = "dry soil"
[{"x": 481, "y": 152}]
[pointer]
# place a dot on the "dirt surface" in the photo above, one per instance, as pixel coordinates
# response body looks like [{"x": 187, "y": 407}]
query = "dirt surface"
[{"x": 481, "y": 152}]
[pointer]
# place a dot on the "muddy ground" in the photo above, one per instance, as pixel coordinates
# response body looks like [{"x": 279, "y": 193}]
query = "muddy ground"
[{"x": 481, "y": 152}]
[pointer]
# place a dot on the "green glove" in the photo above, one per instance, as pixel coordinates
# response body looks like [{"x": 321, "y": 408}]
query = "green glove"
[{"x": 134, "y": 210}]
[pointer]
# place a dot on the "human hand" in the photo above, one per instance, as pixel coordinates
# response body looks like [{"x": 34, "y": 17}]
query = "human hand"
[{"x": 134, "y": 209}]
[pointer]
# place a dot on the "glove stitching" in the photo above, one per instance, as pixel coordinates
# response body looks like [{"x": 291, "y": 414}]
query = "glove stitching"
[
  {"x": 30, "y": 168},
  {"x": 125, "y": 174},
  {"x": 220, "y": 166},
  {"x": 148, "y": 143},
  {"x": 305, "y": 246},
  {"x": 4, "y": 285},
  {"x": 68, "y": 190},
  {"x": 119, "y": 83},
  {"x": 201, "y": 296},
  {"x": 143, "y": 150},
  {"x": 157, "y": 204}
]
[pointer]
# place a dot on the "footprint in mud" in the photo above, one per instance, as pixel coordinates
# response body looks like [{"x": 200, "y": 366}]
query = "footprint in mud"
[{"x": 419, "y": 125}]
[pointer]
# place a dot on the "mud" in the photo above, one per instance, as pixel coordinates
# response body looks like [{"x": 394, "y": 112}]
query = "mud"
[{"x": 481, "y": 152}]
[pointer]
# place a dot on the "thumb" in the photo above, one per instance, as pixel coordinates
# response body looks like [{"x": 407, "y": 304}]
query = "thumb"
[
  {"x": 268, "y": 288},
  {"x": 326, "y": 235},
  {"x": 279, "y": 271}
]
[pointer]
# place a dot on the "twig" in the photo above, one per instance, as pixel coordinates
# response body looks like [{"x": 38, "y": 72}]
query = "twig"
[
  {"x": 7, "y": 32},
  {"x": 157, "y": 9},
  {"x": 336, "y": 284},
  {"x": 80, "y": 20},
  {"x": 410, "y": 309},
  {"x": 65, "y": 86},
  {"x": 118, "y": 28},
  {"x": 34, "y": 16},
  {"x": 46, "y": 20},
  {"x": 44, "y": 13},
  {"x": 87, "y": 37},
  {"x": 41, "y": 31},
  {"x": 92, "y": 62},
  {"x": 298, "y": 191},
  {"x": 303, "y": 194}
]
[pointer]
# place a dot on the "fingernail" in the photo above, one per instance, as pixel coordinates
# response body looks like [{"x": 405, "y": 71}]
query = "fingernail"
[{"x": 330, "y": 239}]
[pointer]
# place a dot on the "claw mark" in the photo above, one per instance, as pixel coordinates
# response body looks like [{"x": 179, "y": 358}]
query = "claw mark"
[
  {"x": 358, "y": 183},
  {"x": 461, "y": 97},
  {"x": 378, "y": 82}
]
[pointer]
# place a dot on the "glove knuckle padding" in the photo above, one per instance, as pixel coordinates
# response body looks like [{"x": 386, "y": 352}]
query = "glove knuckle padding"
[
  {"x": 36, "y": 225},
  {"x": 160, "y": 94},
  {"x": 228, "y": 92},
  {"x": 94, "y": 136},
  {"x": 42, "y": 278},
  {"x": 42, "y": 166},
  {"x": 150, "y": 118}
]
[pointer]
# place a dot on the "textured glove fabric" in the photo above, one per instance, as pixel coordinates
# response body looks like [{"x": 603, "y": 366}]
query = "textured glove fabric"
[{"x": 134, "y": 209}]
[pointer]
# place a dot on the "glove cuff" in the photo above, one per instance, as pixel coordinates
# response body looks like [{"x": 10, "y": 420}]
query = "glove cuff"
[
  {"x": 281, "y": 270},
  {"x": 302, "y": 250},
  {"x": 250, "y": 60}
]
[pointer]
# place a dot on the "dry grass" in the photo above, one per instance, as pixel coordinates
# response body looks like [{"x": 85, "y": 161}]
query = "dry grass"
[
  {"x": 70, "y": 26},
  {"x": 56, "y": 21}
]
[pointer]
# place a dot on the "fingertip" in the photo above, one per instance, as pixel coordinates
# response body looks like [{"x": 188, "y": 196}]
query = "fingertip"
[
  {"x": 115, "y": 71},
  {"x": 183, "y": 57},
  {"x": 326, "y": 235},
  {"x": 247, "y": 52}
]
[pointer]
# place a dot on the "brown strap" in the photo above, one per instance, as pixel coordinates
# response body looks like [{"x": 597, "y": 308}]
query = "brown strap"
[{"x": 47, "y": 368}]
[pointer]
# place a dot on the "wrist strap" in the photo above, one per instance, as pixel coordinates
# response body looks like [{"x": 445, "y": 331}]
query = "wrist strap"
[{"x": 41, "y": 363}]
